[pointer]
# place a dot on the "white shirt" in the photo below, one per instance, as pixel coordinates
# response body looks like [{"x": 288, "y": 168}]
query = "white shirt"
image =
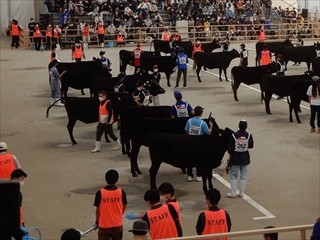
[{"x": 314, "y": 101}]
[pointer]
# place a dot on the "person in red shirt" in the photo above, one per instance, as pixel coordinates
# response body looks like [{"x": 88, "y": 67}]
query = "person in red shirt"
[
  {"x": 213, "y": 220},
  {"x": 111, "y": 202},
  {"x": 78, "y": 52},
  {"x": 15, "y": 33},
  {"x": 136, "y": 54}
]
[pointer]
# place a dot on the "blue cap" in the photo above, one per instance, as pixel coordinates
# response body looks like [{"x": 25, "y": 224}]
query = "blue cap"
[
  {"x": 177, "y": 95},
  {"x": 181, "y": 49}
]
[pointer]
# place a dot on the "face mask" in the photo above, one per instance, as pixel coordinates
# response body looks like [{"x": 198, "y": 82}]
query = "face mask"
[
  {"x": 163, "y": 200},
  {"x": 21, "y": 183},
  {"x": 139, "y": 88},
  {"x": 155, "y": 70},
  {"x": 100, "y": 24},
  {"x": 198, "y": 42},
  {"x": 101, "y": 99}
]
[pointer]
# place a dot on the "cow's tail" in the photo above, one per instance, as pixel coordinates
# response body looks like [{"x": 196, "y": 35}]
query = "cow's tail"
[
  {"x": 48, "y": 109},
  {"x": 120, "y": 63}
]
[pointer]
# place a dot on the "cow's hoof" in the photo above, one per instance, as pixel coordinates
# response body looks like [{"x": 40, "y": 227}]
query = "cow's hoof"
[
  {"x": 73, "y": 143},
  {"x": 139, "y": 172},
  {"x": 124, "y": 153},
  {"x": 134, "y": 175},
  {"x": 108, "y": 141},
  {"x": 220, "y": 79}
]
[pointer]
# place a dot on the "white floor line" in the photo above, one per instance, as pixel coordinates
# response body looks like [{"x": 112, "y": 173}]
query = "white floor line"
[
  {"x": 247, "y": 86},
  {"x": 253, "y": 203}
]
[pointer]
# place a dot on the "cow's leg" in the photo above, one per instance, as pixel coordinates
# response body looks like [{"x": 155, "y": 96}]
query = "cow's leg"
[
  {"x": 198, "y": 72},
  {"x": 205, "y": 176},
  {"x": 225, "y": 74},
  {"x": 70, "y": 126},
  {"x": 220, "y": 71},
  {"x": 82, "y": 91},
  {"x": 168, "y": 79},
  {"x": 308, "y": 65},
  {"x": 295, "y": 108},
  {"x": 155, "y": 165},
  {"x": 134, "y": 159},
  {"x": 267, "y": 100},
  {"x": 290, "y": 112},
  {"x": 122, "y": 137},
  {"x": 235, "y": 87}
]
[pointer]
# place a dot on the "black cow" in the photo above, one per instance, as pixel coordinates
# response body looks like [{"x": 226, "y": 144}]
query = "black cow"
[
  {"x": 151, "y": 85},
  {"x": 182, "y": 151},
  {"x": 278, "y": 85},
  {"x": 152, "y": 111},
  {"x": 299, "y": 54},
  {"x": 165, "y": 64},
  {"x": 219, "y": 60},
  {"x": 126, "y": 59},
  {"x": 87, "y": 109},
  {"x": 273, "y": 47},
  {"x": 248, "y": 75},
  {"x": 139, "y": 127},
  {"x": 316, "y": 66}
]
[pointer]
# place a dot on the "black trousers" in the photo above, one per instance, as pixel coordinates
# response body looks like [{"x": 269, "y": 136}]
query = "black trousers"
[
  {"x": 315, "y": 110},
  {"x": 15, "y": 41},
  {"x": 101, "y": 38},
  {"x": 184, "y": 72},
  {"x": 78, "y": 59},
  {"x": 57, "y": 41},
  {"x": 101, "y": 128},
  {"x": 189, "y": 172},
  {"x": 37, "y": 42},
  {"x": 48, "y": 43}
]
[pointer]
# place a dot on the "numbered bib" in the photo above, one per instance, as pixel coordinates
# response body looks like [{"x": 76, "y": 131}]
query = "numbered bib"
[
  {"x": 318, "y": 53},
  {"x": 241, "y": 144},
  {"x": 245, "y": 54},
  {"x": 182, "y": 111},
  {"x": 146, "y": 101},
  {"x": 195, "y": 130},
  {"x": 137, "y": 54},
  {"x": 182, "y": 60}
]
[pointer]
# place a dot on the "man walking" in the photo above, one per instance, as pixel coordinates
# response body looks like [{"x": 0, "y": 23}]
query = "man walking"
[
  {"x": 182, "y": 61},
  {"x": 106, "y": 120},
  {"x": 239, "y": 158}
]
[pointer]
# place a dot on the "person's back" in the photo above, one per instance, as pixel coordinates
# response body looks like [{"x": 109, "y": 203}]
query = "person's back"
[
  {"x": 8, "y": 162},
  {"x": 265, "y": 56}
]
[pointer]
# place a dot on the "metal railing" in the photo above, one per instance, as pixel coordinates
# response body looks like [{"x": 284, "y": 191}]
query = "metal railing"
[
  {"x": 300, "y": 228},
  {"x": 237, "y": 33}
]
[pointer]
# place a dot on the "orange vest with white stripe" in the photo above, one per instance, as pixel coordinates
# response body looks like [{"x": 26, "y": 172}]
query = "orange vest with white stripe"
[
  {"x": 216, "y": 222},
  {"x": 111, "y": 208},
  {"x": 166, "y": 36},
  {"x": 161, "y": 223},
  {"x": 7, "y": 165},
  {"x": 103, "y": 113},
  {"x": 49, "y": 32}
]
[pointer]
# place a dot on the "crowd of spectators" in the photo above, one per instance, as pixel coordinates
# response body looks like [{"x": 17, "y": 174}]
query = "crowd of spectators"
[{"x": 232, "y": 19}]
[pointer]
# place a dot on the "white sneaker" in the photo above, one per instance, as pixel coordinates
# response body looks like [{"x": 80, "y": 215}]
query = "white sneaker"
[
  {"x": 199, "y": 179},
  {"x": 95, "y": 150},
  {"x": 230, "y": 196},
  {"x": 189, "y": 179},
  {"x": 192, "y": 74},
  {"x": 117, "y": 147}
]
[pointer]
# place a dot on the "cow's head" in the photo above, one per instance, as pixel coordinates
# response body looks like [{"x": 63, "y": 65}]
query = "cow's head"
[
  {"x": 235, "y": 53},
  {"x": 317, "y": 45},
  {"x": 154, "y": 87}
]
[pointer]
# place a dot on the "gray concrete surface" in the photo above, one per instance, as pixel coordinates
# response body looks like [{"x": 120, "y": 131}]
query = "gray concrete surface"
[{"x": 61, "y": 183}]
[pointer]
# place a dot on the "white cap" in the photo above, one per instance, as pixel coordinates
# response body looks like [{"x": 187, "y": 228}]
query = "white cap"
[{"x": 3, "y": 146}]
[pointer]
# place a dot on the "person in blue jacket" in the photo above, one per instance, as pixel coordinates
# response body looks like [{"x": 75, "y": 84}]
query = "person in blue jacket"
[{"x": 182, "y": 61}]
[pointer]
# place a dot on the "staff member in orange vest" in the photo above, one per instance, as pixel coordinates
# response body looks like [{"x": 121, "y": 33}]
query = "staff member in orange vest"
[
  {"x": 49, "y": 36},
  {"x": 213, "y": 220},
  {"x": 86, "y": 34},
  {"x": 165, "y": 35},
  {"x": 15, "y": 33},
  {"x": 8, "y": 162},
  {"x": 100, "y": 31},
  {"x": 37, "y": 37},
  {"x": 177, "y": 36},
  {"x": 111, "y": 202},
  {"x": 106, "y": 119},
  {"x": 265, "y": 56},
  {"x": 163, "y": 220},
  {"x": 78, "y": 52},
  {"x": 198, "y": 47},
  {"x": 136, "y": 54},
  {"x": 261, "y": 36},
  {"x": 57, "y": 35},
  {"x": 120, "y": 39}
]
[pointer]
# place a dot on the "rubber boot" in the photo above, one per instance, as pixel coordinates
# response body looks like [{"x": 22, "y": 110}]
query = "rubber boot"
[
  {"x": 97, "y": 148},
  {"x": 242, "y": 187},
  {"x": 233, "y": 184},
  {"x": 118, "y": 145},
  {"x": 52, "y": 100},
  {"x": 192, "y": 72}
]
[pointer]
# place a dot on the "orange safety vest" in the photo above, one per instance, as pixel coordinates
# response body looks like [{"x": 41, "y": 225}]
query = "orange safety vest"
[
  {"x": 104, "y": 112},
  {"x": 177, "y": 37},
  {"x": 78, "y": 52},
  {"x": 49, "y": 32},
  {"x": 100, "y": 29},
  {"x": 136, "y": 54},
  {"x": 36, "y": 33},
  {"x": 166, "y": 36},
  {"x": 15, "y": 30},
  {"x": 177, "y": 208},
  {"x": 265, "y": 57},
  {"x": 111, "y": 208},
  {"x": 261, "y": 36},
  {"x": 120, "y": 39},
  {"x": 86, "y": 31},
  {"x": 216, "y": 222},
  {"x": 56, "y": 33},
  {"x": 161, "y": 223},
  {"x": 7, "y": 166},
  {"x": 196, "y": 49}
]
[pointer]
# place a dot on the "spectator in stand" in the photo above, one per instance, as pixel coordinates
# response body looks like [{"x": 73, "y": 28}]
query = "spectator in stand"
[
  {"x": 110, "y": 17},
  {"x": 152, "y": 9},
  {"x": 94, "y": 12},
  {"x": 158, "y": 16},
  {"x": 121, "y": 9},
  {"x": 104, "y": 9},
  {"x": 71, "y": 7},
  {"x": 148, "y": 21},
  {"x": 158, "y": 22},
  {"x": 240, "y": 7},
  {"x": 142, "y": 8},
  {"x": 15, "y": 33},
  {"x": 111, "y": 31},
  {"x": 268, "y": 5},
  {"x": 270, "y": 236},
  {"x": 117, "y": 19},
  {"x": 8, "y": 162},
  {"x": 153, "y": 32},
  {"x": 31, "y": 26},
  {"x": 128, "y": 13}
]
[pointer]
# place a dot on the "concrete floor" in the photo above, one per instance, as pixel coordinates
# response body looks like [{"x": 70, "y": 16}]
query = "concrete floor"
[{"x": 62, "y": 181}]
